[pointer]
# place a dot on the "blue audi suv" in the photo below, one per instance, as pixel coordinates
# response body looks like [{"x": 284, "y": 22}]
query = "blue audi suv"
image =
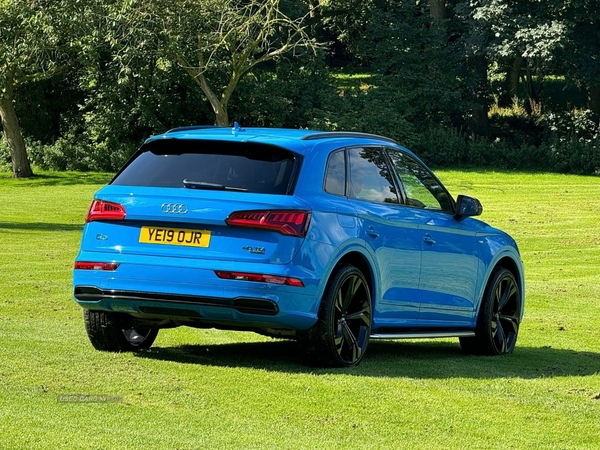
[{"x": 329, "y": 238}]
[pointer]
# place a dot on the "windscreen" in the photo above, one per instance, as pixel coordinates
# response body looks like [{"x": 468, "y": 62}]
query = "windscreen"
[{"x": 194, "y": 164}]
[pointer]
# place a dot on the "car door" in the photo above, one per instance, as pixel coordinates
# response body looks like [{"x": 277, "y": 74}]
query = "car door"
[
  {"x": 391, "y": 232},
  {"x": 449, "y": 259}
]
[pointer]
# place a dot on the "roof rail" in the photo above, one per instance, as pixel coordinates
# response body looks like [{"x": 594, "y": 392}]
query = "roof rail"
[
  {"x": 193, "y": 127},
  {"x": 345, "y": 134}
]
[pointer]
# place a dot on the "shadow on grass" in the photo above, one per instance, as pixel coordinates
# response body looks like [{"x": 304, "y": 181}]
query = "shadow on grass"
[
  {"x": 391, "y": 359},
  {"x": 58, "y": 179},
  {"x": 40, "y": 226}
]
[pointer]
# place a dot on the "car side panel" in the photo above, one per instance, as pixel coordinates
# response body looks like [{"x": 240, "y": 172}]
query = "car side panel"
[
  {"x": 391, "y": 234},
  {"x": 449, "y": 269}
]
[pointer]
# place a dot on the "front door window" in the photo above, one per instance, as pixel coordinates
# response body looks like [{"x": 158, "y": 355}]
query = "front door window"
[{"x": 422, "y": 189}]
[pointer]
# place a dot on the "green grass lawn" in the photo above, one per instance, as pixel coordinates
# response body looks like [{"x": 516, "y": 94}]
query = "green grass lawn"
[{"x": 215, "y": 389}]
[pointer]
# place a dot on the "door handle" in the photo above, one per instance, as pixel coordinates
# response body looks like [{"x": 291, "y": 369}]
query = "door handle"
[
  {"x": 371, "y": 232},
  {"x": 428, "y": 239}
]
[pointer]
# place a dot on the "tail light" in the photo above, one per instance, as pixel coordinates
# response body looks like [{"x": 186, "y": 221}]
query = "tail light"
[
  {"x": 274, "y": 279},
  {"x": 101, "y": 210},
  {"x": 290, "y": 223},
  {"x": 84, "y": 265}
]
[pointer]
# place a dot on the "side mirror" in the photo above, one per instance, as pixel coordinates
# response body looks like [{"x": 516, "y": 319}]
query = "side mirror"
[{"x": 467, "y": 206}]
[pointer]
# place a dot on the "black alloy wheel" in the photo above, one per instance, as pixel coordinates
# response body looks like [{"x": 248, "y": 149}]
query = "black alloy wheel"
[
  {"x": 139, "y": 337},
  {"x": 341, "y": 336},
  {"x": 109, "y": 332},
  {"x": 499, "y": 316}
]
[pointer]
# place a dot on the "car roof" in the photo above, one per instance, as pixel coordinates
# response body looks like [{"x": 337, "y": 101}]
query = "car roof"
[{"x": 296, "y": 140}]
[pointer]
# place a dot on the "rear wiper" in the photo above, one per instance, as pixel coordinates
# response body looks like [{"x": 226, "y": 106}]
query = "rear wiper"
[{"x": 214, "y": 186}]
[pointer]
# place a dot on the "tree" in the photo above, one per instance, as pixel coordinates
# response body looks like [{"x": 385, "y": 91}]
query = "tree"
[
  {"x": 580, "y": 58},
  {"x": 38, "y": 39},
  {"x": 28, "y": 51},
  {"x": 528, "y": 33},
  {"x": 407, "y": 47},
  {"x": 218, "y": 42},
  {"x": 10, "y": 126}
]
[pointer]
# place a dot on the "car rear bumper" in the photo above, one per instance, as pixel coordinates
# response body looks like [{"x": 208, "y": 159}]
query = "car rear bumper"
[
  {"x": 197, "y": 297},
  {"x": 93, "y": 294},
  {"x": 186, "y": 289}
]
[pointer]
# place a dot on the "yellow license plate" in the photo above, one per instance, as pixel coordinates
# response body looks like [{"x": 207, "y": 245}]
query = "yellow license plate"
[{"x": 175, "y": 236}]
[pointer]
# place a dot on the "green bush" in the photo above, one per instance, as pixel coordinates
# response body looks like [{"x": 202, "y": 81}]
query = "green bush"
[
  {"x": 75, "y": 152},
  {"x": 577, "y": 156},
  {"x": 565, "y": 142},
  {"x": 5, "y": 161},
  {"x": 372, "y": 112},
  {"x": 442, "y": 147},
  {"x": 449, "y": 148},
  {"x": 573, "y": 141}
]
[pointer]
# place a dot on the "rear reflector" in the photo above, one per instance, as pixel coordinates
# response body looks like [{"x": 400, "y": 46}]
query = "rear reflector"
[
  {"x": 80, "y": 265},
  {"x": 101, "y": 210},
  {"x": 290, "y": 223},
  {"x": 242, "y": 276}
]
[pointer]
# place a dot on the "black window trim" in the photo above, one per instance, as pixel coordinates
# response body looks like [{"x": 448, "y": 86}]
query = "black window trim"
[
  {"x": 397, "y": 180},
  {"x": 400, "y": 191}
]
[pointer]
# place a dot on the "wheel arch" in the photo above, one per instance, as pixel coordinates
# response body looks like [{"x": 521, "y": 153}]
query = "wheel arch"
[
  {"x": 359, "y": 261},
  {"x": 508, "y": 262},
  {"x": 363, "y": 263}
]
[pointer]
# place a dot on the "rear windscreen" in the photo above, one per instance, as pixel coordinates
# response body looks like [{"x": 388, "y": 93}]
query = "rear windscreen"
[{"x": 244, "y": 167}]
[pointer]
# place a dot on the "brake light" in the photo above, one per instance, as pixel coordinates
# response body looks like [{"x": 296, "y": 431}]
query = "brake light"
[
  {"x": 101, "y": 210},
  {"x": 290, "y": 223},
  {"x": 274, "y": 279},
  {"x": 83, "y": 265}
]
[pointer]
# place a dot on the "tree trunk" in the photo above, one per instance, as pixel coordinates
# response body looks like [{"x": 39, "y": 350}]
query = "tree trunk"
[
  {"x": 219, "y": 107},
  {"x": 12, "y": 133},
  {"x": 478, "y": 68},
  {"x": 594, "y": 99},
  {"x": 437, "y": 9},
  {"x": 222, "y": 117},
  {"x": 513, "y": 76},
  {"x": 534, "y": 91}
]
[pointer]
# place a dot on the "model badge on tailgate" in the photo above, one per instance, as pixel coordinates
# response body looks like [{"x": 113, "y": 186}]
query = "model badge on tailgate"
[{"x": 258, "y": 250}]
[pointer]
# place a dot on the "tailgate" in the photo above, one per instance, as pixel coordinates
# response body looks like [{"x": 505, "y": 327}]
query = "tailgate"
[{"x": 190, "y": 223}]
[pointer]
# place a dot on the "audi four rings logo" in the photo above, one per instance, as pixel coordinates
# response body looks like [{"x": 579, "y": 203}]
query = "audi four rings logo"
[{"x": 174, "y": 208}]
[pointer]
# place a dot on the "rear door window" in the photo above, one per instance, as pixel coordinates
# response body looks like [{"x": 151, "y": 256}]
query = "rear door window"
[
  {"x": 370, "y": 176},
  {"x": 335, "y": 176},
  {"x": 243, "y": 167}
]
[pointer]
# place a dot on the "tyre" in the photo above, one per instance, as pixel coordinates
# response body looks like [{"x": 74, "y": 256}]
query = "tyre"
[
  {"x": 341, "y": 334},
  {"x": 499, "y": 315},
  {"x": 110, "y": 332}
]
